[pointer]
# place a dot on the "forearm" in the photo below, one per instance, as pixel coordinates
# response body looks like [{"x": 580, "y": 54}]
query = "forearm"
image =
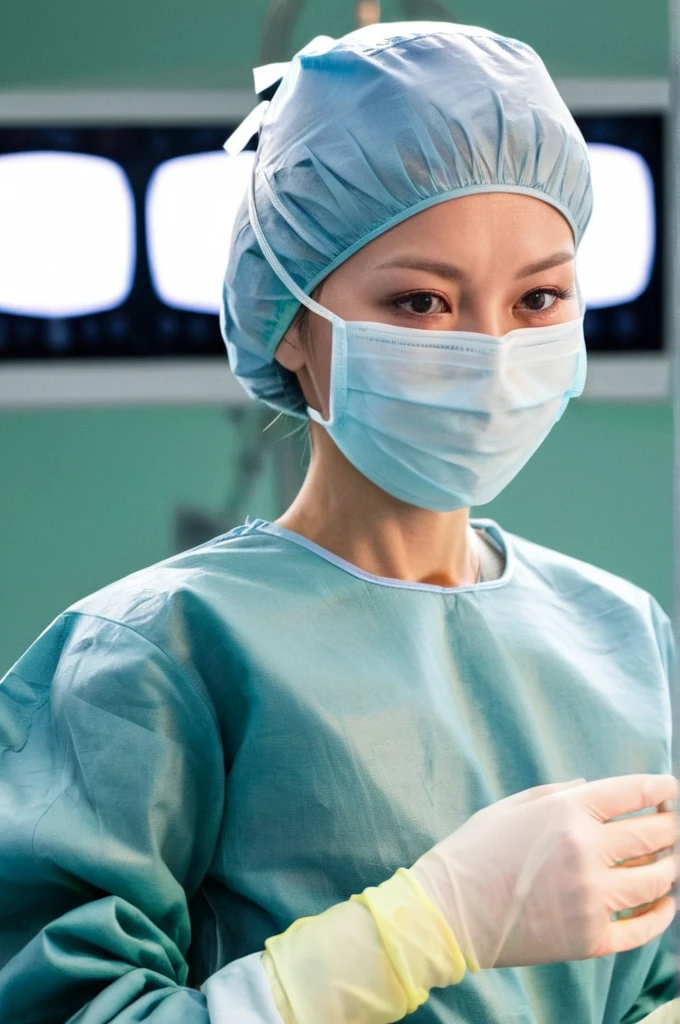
[
  {"x": 106, "y": 963},
  {"x": 371, "y": 959}
]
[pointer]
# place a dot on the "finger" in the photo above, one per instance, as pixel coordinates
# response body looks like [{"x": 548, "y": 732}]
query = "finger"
[
  {"x": 625, "y": 794},
  {"x": 637, "y": 862},
  {"x": 631, "y": 887},
  {"x": 637, "y": 911},
  {"x": 637, "y": 931},
  {"x": 536, "y": 792},
  {"x": 639, "y": 836}
]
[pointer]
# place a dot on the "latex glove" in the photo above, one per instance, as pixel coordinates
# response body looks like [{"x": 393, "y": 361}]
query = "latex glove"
[{"x": 534, "y": 878}]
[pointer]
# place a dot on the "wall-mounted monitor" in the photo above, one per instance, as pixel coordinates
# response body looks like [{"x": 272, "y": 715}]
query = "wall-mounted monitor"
[{"x": 114, "y": 235}]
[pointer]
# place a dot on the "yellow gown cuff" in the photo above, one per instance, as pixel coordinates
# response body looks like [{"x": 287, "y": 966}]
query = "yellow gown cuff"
[{"x": 370, "y": 960}]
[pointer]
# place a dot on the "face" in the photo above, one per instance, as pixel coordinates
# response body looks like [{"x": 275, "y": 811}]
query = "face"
[{"x": 488, "y": 263}]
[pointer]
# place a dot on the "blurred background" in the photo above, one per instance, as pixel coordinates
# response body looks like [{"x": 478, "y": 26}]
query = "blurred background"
[{"x": 123, "y": 437}]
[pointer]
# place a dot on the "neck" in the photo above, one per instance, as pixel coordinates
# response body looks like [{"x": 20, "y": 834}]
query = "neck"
[{"x": 346, "y": 514}]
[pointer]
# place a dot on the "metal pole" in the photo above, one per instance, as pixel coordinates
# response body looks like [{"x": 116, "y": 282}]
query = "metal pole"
[{"x": 366, "y": 12}]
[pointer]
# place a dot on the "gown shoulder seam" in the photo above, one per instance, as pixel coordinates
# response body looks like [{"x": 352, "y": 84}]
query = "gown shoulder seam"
[{"x": 178, "y": 668}]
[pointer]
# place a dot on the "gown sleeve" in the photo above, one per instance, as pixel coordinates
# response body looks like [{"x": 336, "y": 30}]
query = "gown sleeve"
[
  {"x": 112, "y": 784},
  {"x": 661, "y": 983}
]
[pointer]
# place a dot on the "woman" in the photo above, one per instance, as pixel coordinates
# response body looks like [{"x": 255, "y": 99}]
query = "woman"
[{"x": 333, "y": 768}]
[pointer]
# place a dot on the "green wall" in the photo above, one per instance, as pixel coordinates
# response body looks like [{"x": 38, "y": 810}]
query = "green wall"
[
  {"x": 600, "y": 489},
  {"x": 88, "y": 496},
  {"x": 205, "y": 43}
]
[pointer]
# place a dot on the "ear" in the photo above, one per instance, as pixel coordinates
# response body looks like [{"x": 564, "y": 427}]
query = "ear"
[{"x": 290, "y": 353}]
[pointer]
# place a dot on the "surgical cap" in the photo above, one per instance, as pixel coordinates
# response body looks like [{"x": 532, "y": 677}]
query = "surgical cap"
[{"x": 367, "y": 130}]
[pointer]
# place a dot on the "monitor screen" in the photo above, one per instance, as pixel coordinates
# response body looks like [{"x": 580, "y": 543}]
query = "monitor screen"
[{"x": 114, "y": 240}]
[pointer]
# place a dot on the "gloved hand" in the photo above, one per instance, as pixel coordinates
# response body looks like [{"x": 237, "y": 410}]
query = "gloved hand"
[{"x": 534, "y": 878}]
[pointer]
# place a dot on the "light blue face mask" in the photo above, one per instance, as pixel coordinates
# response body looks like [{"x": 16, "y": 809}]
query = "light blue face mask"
[{"x": 442, "y": 419}]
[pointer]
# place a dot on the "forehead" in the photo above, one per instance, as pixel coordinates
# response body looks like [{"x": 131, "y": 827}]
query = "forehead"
[
  {"x": 483, "y": 211},
  {"x": 509, "y": 228}
]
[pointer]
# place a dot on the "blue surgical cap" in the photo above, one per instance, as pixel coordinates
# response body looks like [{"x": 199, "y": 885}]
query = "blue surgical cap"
[{"x": 367, "y": 130}]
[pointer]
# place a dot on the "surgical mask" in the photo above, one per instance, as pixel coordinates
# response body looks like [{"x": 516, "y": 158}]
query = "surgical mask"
[{"x": 442, "y": 419}]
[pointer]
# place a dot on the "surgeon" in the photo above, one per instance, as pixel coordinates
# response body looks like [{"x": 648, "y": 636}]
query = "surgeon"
[{"x": 376, "y": 758}]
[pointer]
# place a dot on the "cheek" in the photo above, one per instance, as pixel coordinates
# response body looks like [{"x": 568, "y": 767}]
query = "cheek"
[
  {"x": 571, "y": 307},
  {"x": 316, "y": 341},
  {"x": 318, "y": 356},
  {"x": 323, "y": 356}
]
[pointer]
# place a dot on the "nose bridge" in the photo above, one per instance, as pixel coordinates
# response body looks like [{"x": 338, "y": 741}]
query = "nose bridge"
[
  {"x": 482, "y": 300},
  {"x": 484, "y": 315}
]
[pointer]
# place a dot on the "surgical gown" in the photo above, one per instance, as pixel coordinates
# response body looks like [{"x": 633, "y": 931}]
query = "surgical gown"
[{"x": 254, "y": 730}]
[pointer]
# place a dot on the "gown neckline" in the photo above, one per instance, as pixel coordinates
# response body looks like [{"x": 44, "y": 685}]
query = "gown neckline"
[{"x": 491, "y": 529}]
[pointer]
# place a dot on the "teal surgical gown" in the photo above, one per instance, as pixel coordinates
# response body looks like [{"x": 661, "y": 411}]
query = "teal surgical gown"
[{"x": 254, "y": 730}]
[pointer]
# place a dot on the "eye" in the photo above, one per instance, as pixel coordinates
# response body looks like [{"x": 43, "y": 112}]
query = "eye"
[
  {"x": 422, "y": 303},
  {"x": 535, "y": 300}
]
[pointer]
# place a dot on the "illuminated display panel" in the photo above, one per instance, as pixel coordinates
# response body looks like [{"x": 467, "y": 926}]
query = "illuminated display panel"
[
  {"x": 191, "y": 206},
  {"x": 67, "y": 234},
  {"x": 141, "y": 273},
  {"x": 616, "y": 257}
]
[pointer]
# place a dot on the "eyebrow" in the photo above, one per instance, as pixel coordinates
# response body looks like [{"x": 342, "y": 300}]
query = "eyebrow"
[{"x": 456, "y": 274}]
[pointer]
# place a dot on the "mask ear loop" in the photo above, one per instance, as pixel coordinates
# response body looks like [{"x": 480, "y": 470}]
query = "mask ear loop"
[
  {"x": 267, "y": 79},
  {"x": 338, "y": 381},
  {"x": 582, "y": 366}
]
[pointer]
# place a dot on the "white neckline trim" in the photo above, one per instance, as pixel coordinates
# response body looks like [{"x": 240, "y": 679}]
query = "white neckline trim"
[{"x": 489, "y": 526}]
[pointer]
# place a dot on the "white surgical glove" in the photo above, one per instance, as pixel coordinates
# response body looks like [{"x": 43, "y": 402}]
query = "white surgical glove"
[{"x": 534, "y": 878}]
